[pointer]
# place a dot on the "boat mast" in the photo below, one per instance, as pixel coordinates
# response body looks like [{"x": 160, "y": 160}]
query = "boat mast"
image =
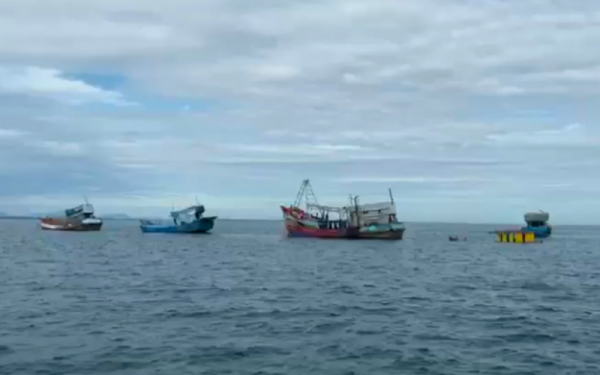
[
  {"x": 391, "y": 196},
  {"x": 305, "y": 194},
  {"x": 300, "y": 194}
]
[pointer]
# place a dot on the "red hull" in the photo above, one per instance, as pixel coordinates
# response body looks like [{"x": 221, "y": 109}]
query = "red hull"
[
  {"x": 348, "y": 234},
  {"x": 68, "y": 225}
]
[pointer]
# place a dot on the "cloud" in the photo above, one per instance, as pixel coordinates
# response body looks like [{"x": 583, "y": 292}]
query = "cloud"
[
  {"x": 409, "y": 180},
  {"x": 10, "y": 134},
  {"x": 461, "y": 107},
  {"x": 31, "y": 80}
]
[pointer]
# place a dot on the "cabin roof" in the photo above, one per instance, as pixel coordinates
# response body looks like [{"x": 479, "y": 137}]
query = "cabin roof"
[{"x": 537, "y": 216}]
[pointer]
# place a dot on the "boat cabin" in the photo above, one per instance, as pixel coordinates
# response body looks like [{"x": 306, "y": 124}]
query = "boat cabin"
[
  {"x": 537, "y": 219},
  {"x": 329, "y": 217},
  {"x": 376, "y": 213},
  {"x": 85, "y": 211},
  {"x": 188, "y": 214}
]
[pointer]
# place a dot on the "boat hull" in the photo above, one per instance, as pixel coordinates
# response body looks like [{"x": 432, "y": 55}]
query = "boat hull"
[
  {"x": 347, "y": 234},
  {"x": 540, "y": 232},
  {"x": 202, "y": 226},
  {"x": 70, "y": 225}
]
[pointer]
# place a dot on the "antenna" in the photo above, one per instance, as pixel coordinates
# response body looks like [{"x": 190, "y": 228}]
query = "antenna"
[
  {"x": 391, "y": 196},
  {"x": 356, "y": 211}
]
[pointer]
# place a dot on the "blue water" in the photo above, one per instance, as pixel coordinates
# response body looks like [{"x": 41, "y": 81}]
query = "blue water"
[{"x": 246, "y": 300}]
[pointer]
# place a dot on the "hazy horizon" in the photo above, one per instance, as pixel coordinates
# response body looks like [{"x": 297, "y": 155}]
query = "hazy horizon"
[{"x": 109, "y": 216}]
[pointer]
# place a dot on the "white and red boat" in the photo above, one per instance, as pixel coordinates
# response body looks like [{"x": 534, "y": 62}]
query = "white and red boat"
[
  {"x": 354, "y": 221},
  {"x": 80, "y": 218}
]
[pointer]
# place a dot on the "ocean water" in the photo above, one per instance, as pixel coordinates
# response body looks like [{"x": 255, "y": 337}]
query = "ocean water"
[{"x": 247, "y": 300}]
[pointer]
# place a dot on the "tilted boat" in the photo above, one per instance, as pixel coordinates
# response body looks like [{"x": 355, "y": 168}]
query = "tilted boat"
[
  {"x": 80, "y": 219},
  {"x": 188, "y": 220},
  {"x": 368, "y": 221},
  {"x": 537, "y": 222}
]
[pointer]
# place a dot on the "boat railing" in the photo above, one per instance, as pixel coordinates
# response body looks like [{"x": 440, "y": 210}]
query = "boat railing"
[{"x": 327, "y": 208}]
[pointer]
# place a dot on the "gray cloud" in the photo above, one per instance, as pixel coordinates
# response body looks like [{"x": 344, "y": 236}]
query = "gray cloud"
[{"x": 481, "y": 105}]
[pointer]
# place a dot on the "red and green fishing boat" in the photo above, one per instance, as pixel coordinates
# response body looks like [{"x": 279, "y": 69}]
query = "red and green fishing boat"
[{"x": 306, "y": 218}]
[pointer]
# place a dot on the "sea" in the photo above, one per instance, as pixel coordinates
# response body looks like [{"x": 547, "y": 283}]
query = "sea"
[{"x": 247, "y": 300}]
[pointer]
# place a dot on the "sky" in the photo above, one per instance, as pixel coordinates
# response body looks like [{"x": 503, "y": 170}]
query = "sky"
[{"x": 470, "y": 110}]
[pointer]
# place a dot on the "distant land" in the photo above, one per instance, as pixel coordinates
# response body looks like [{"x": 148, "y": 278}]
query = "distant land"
[{"x": 116, "y": 217}]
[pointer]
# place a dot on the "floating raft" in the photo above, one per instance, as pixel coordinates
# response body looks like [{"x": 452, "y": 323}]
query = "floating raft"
[{"x": 516, "y": 237}]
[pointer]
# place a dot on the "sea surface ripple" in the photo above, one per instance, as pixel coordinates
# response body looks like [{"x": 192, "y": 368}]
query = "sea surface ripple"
[{"x": 246, "y": 300}]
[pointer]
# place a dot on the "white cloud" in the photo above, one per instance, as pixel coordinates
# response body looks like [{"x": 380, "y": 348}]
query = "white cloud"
[
  {"x": 482, "y": 105},
  {"x": 10, "y": 133},
  {"x": 298, "y": 149},
  {"x": 407, "y": 179},
  {"x": 50, "y": 83},
  {"x": 59, "y": 148}
]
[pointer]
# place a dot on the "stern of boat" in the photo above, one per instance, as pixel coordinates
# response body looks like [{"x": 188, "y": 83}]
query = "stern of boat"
[{"x": 207, "y": 224}]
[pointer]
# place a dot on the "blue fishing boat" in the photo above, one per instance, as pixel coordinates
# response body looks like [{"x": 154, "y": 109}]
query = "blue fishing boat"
[
  {"x": 189, "y": 220},
  {"x": 537, "y": 222}
]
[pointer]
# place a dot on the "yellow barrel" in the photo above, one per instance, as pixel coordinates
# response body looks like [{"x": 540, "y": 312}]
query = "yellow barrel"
[
  {"x": 516, "y": 237},
  {"x": 519, "y": 237},
  {"x": 530, "y": 237}
]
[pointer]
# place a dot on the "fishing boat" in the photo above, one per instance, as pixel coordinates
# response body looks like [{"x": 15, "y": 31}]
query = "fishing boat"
[
  {"x": 537, "y": 222},
  {"x": 188, "y": 220},
  {"x": 354, "y": 221},
  {"x": 79, "y": 219}
]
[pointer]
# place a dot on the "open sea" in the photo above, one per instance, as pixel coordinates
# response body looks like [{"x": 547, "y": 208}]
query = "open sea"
[{"x": 247, "y": 300}]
